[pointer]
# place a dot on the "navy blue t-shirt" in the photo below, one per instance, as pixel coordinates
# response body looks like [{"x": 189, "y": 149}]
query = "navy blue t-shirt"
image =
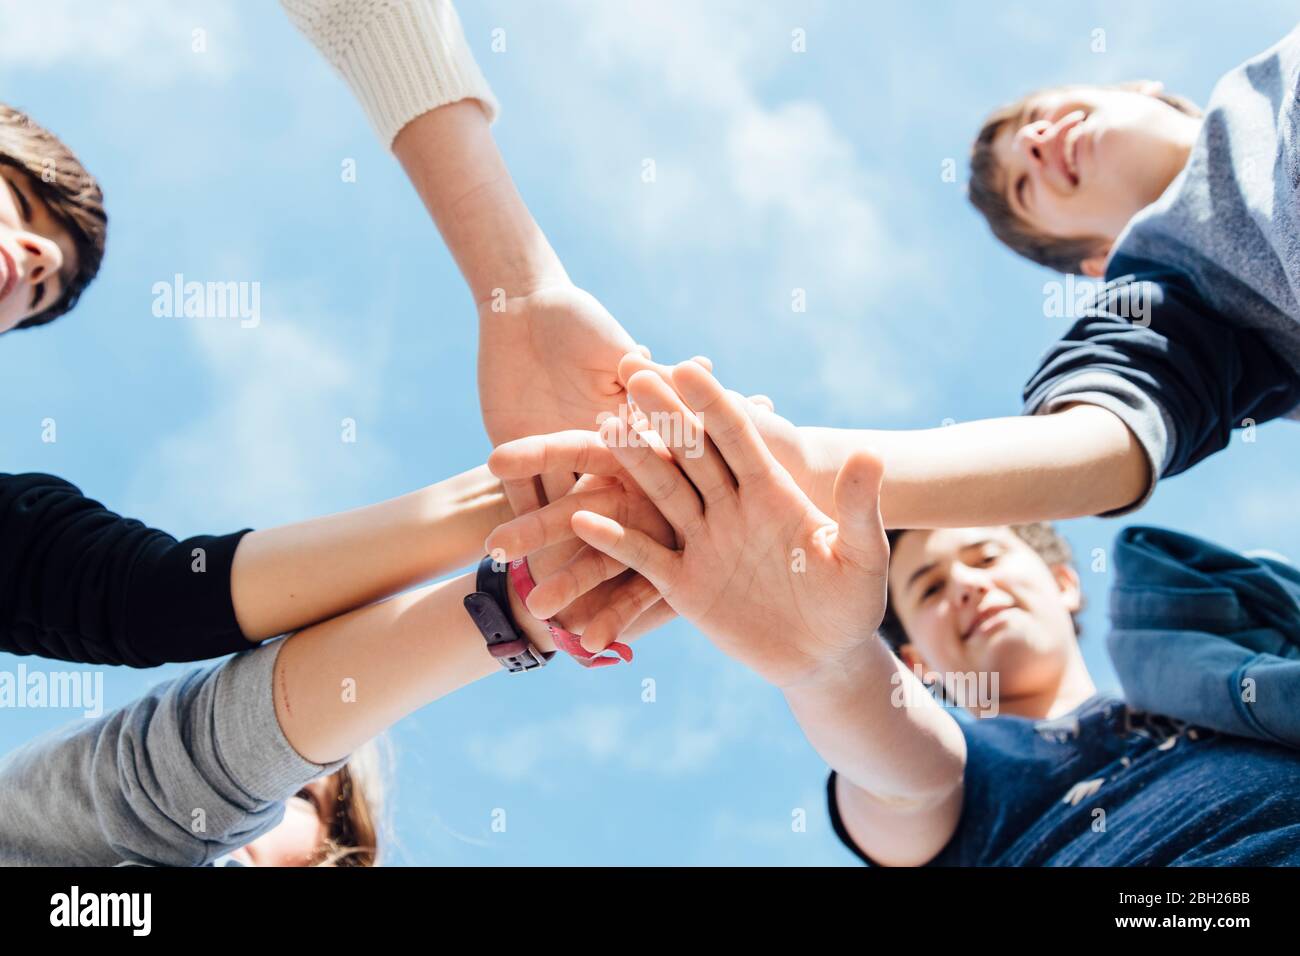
[
  {"x": 1109, "y": 786},
  {"x": 1150, "y": 349}
]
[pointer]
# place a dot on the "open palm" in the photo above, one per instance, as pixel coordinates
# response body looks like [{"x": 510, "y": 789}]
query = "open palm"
[{"x": 772, "y": 580}]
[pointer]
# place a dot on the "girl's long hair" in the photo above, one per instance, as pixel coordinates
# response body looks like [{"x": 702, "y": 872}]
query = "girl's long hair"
[{"x": 354, "y": 802}]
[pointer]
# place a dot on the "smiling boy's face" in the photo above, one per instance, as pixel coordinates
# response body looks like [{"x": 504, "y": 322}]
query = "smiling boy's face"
[
  {"x": 38, "y": 257},
  {"x": 1079, "y": 162},
  {"x": 982, "y": 600}
]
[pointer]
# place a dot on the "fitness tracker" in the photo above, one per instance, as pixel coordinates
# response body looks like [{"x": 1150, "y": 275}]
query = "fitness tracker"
[
  {"x": 489, "y": 609},
  {"x": 522, "y": 579}
]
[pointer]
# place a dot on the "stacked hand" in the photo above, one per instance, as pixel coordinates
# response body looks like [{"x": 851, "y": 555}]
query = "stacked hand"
[
  {"x": 605, "y": 487},
  {"x": 603, "y": 600},
  {"x": 550, "y": 361},
  {"x": 782, "y": 437},
  {"x": 547, "y": 362},
  {"x": 773, "y": 581}
]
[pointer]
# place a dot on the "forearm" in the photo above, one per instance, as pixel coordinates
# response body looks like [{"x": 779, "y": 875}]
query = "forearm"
[
  {"x": 286, "y": 578},
  {"x": 411, "y": 69},
  {"x": 342, "y": 682},
  {"x": 1080, "y": 461},
  {"x": 899, "y": 756},
  {"x": 454, "y": 164}
]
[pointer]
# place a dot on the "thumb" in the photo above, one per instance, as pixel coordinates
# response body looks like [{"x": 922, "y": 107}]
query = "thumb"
[{"x": 860, "y": 536}]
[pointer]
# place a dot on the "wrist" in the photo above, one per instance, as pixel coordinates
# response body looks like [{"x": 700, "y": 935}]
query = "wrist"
[
  {"x": 454, "y": 163},
  {"x": 478, "y": 499},
  {"x": 521, "y": 290},
  {"x": 815, "y": 472},
  {"x": 534, "y": 629},
  {"x": 843, "y": 675},
  {"x": 452, "y": 518},
  {"x": 501, "y": 250}
]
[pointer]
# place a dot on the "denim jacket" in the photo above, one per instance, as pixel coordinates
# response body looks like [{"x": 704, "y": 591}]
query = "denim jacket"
[{"x": 1207, "y": 635}]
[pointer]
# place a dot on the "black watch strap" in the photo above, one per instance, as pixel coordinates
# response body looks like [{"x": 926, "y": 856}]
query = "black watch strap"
[{"x": 489, "y": 609}]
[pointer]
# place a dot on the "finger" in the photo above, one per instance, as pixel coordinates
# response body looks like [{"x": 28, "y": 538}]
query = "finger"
[
  {"x": 557, "y": 484},
  {"x": 575, "y": 451},
  {"x": 644, "y": 350},
  {"x": 658, "y": 614},
  {"x": 633, "y": 609},
  {"x": 683, "y": 434},
  {"x": 630, "y": 547},
  {"x": 860, "y": 536},
  {"x": 640, "y": 361},
  {"x": 587, "y": 569},
  {"x": 726, "y": 421},
  {"x": 660, "y": 481},
  {"x": 762, "y": 401},
  {"x": 635, "y": 362},
  {"x": 595, "y": 483},
  {"x": 523, "y": 494},
  {"x": 550, "y": 525}
]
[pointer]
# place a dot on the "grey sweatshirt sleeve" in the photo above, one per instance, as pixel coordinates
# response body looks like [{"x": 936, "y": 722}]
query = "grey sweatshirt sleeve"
[
  {"x": 1155, "y": 354},
  {"x": 194, "y": 769}
]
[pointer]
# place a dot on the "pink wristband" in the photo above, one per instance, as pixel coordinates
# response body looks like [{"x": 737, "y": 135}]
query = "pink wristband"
[{"x": 522, "y": 579}]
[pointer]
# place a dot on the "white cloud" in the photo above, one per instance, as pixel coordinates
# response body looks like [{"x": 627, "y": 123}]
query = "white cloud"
[
  {"x": 269, "y": 446},
  {"x": 590, "y": 732},
  {"x": 686, "y": 731},
  {"x": 792, "y": 164},
  {"x": 774, "y": 194},
  {"x": 152, "y": 40}
]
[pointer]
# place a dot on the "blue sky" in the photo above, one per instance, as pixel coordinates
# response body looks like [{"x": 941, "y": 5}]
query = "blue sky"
[{"x": 775, "y": 170}]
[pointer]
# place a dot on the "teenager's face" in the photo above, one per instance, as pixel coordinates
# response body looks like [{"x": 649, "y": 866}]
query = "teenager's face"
[
  {"x": 981, "y": 600},
  {"x": 295, "y": 841},
  {"x": 37, "y": 255},
  {"x": 1081, "y": 161}
]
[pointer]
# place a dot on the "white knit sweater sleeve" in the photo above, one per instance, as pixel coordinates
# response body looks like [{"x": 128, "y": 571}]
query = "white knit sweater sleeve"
[{"x": 401, "y": 58}]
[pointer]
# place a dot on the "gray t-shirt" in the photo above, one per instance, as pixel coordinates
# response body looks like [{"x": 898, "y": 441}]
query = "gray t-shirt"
[
  {"x": 194, "y": 769},
  {"x": 1217, "y": 263},
  {"x": 1230, "y": 219}
]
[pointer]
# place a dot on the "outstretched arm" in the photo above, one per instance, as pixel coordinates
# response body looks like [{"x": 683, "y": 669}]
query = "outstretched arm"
[
  {"x": 79, "y": 582},
  {"x": 779, "y": 586},
  {"x": 1079, "y": 460},
  {"x": 898, "y": 757},
  {"x": 342, "y": 682},
  {"x": 548, "y": 351},
  {"x": 286, "y": 578},
  {"x": 1082, "y": 460},
  {"x": 201, "y": 765}
]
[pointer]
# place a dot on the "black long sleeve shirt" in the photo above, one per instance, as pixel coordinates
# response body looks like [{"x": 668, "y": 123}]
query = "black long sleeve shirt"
[{"x": 81, "y": 583}]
